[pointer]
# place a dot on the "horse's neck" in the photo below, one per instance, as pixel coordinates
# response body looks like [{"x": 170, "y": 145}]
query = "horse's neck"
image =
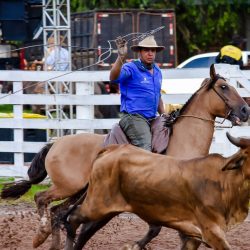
[{"x": 191, "y": 137}]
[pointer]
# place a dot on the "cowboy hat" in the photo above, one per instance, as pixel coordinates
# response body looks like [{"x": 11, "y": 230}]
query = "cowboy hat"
[{"x": 148, "y": 42}]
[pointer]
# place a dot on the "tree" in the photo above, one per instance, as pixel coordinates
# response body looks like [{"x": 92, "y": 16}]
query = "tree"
[{"x": 202, "y": 25}]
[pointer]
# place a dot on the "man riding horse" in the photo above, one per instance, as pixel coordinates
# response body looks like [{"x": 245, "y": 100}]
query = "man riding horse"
[
  {"x": 69, "y": 160},
  {"x": 140, "y": 86}
]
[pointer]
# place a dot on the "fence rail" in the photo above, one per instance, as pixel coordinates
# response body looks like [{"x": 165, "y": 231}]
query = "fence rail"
[{"x": 85, "y": 121}]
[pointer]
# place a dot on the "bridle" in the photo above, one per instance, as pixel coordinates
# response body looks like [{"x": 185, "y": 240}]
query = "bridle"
[{"x": 223, "y": 98}]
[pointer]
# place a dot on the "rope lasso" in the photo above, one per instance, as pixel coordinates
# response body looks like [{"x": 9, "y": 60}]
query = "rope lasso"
[{"x": 100, "y": 59}]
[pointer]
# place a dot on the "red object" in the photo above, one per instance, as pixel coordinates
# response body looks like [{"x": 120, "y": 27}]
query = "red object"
[
  {"x": 107, "y": 87},
  {"x": 22, "y": 59}
]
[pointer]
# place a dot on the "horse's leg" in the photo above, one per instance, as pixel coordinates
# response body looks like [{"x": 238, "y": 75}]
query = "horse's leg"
[
  {"x": 55, "y": 226},
  {"x": 44, "y": 230},
  {"x": 89, "y": 229},
  {"x": 153, "y": 231},
  {"x": 188, "y": 243},
  {"x": 74, "y": 220},
  {"x": 43, "y": 199},
  {"x": 56, "y": 216}
]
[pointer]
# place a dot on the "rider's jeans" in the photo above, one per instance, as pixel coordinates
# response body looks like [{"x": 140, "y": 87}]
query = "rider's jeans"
[{"x": 137, "y": 129}]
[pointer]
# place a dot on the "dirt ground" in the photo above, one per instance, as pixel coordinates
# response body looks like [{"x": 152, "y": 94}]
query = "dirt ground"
[{"x": 18, "y": 224}]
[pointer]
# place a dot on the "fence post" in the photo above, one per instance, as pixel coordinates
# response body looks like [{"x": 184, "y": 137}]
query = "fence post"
[
  {"x": 85, "y": 111},
  {"x": 18, "y": 132}
]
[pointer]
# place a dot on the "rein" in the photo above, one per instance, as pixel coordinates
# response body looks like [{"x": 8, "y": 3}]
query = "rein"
[{"x": 209, "y": 120}]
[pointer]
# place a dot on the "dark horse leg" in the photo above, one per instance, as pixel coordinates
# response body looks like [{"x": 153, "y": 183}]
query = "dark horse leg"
[
  {"x": 56, "y": 238},
  {"x": 57, "y": 212},
  {"x": 153, "y": 231},
  {"x": 89, "y": 229},
  {"x": 188, "y": 243}
]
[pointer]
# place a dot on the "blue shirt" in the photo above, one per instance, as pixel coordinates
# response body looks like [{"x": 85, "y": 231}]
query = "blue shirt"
[{"x": 140, "y": 90}]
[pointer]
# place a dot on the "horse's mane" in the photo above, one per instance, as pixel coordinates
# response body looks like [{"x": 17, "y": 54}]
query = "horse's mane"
[{"x": 207, "y": 84}]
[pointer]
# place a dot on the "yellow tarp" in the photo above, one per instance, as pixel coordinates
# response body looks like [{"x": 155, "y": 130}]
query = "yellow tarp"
[{"x": 25, "y": 115}]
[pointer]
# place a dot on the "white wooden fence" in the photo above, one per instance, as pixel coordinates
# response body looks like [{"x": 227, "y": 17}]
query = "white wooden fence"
[{"x": 85, "y": 99}]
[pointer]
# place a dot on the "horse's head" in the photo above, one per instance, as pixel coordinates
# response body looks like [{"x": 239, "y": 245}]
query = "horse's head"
[{"x": 224, "y": 100}]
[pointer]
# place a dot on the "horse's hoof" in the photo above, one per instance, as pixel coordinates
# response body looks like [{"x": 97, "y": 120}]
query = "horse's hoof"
[
  {"x": 131, "y": 247},
  {"x": 136, "y": 247},
  {"x": 55, "y": 248},
  {"x": 126, "y": 247},
  {"x": 39, "y": 238}
]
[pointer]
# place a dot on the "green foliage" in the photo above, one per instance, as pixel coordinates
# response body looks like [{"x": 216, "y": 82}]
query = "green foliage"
[
  {"x": 6, "y": 108},
  {"x": 202, "y": 26},
  {"x": 208, "y": 26},
  {"x": 77, "y": 5}
]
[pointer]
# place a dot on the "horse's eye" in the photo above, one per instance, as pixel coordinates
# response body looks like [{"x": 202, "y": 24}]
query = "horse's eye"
[{"x": 223, "y": 86}]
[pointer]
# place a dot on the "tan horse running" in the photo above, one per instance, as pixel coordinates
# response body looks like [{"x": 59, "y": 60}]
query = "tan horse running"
[{"x": 68, "y": 162}]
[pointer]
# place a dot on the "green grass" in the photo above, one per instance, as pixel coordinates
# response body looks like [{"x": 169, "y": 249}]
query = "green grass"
[
  {"x": 28, "y": 197},
  {"x": 8, "y": 108},
  {"x": 6, "y": 179}
]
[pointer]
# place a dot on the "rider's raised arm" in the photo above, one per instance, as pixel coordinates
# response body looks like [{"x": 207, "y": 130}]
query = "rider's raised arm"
[{"x": 122, "y": 54}]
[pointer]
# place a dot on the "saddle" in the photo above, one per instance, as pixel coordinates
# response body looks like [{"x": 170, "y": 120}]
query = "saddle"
[{"x": 160, "y": 135}]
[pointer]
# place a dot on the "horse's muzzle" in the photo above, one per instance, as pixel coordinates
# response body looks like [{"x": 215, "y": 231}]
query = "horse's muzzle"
[{"x": 245, "y": 112}]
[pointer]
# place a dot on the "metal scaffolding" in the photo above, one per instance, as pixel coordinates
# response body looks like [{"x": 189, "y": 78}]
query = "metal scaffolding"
[{"x": 56, "y": 28}]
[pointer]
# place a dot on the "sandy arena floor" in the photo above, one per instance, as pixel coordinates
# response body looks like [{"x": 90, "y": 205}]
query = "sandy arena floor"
[{"x": 18, "y": 224}]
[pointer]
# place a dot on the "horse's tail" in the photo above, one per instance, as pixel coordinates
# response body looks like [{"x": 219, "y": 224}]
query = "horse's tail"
[{"x": 36, "y": 173}]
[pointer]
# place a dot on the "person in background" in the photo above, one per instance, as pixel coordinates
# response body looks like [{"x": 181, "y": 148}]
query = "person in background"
[
  {"x": 56, "y": 58},
  {"x": 140, "y": 87},
  {"x": 232, "y": 53}
]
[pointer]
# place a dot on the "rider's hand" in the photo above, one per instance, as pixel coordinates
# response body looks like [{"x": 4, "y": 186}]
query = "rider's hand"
[{"x": 121, "y": 47}]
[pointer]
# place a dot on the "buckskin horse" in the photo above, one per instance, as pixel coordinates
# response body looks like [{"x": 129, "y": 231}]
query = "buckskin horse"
[
  {"x": 68, "y": 162},
  {"x": 167, "y": 191}
]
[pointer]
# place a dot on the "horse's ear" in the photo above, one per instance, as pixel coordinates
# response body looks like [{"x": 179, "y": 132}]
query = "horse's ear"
[{"x": 212, "y": 72}]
